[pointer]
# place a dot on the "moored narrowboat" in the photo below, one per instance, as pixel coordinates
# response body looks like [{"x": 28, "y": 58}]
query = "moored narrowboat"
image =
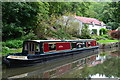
[{"x": 35, "y": 51}]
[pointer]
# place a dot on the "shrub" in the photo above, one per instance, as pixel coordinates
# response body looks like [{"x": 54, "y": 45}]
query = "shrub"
[
  {"x": 105, "y": 36},
  {"x": 13, "y": 43},
  {"x": 85, "y": 37},
  {"x": 103, "y": 31},
  {"x": 98, "y": 37}
]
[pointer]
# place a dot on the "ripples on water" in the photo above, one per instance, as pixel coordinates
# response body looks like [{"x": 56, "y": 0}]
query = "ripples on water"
[{"x": 88, "y": 64}]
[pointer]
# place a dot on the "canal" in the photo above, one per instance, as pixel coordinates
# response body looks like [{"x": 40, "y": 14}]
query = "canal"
[{"x": 97, "y": 63}]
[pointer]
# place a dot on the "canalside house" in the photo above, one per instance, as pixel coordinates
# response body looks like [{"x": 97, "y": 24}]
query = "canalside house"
[{"x": 94, "y": 25}]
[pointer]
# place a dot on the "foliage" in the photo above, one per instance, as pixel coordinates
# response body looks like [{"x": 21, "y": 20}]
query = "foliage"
[
  {"x": 108, "y": 12},
  {"x": 106, "y": 36},
  {"x": 101, "y": 37},
  {"x": 69, "y": 25},
  {"x": 61, "y": 8},
  {"x": 96, "y": 37},
  {"x": 13, "y": 43},
  {"x": 60, "y": 34},
  {"x": 96, "y": 10},
  {"x": 103, "y": 31},
  {"x": 113, "y": 25},
  {"x": 111, "y": 14},
  {"x": 85, "y": 33},
  {"x": 29, "y": 36},
  {"x": 37, "y": 20},
  {"x": 21, "y": 17},
  {"x": 5, "y": 49}
]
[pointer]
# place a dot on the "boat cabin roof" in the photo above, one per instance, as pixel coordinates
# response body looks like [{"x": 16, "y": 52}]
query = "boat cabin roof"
[{"x": 59, "y": 40}]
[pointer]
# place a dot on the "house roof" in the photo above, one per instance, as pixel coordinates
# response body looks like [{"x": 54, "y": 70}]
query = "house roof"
[{"x": 89, "y": 20}]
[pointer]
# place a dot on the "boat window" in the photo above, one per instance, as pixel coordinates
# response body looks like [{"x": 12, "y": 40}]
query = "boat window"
[
  {"x": 32, "y": 47},
  {"x": 26, "y": 46},
  {"x": 37, "y": 48},
  {"x": 74, "y": 45},
  {"x": 89, "y": 44},
  {"x": 84, "y": 44},
  {"x": 81, "y": 45},
  {"x": 52, "y": 46}
]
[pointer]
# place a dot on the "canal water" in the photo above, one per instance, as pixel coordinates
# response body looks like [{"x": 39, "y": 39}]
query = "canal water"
[{"x": 90, "y": 64}]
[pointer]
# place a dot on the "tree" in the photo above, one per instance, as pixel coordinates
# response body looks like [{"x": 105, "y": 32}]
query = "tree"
[
  {"x": 22, "y": 17},
  {"x": 111, "y": 14},
  {"x": 85, "y": 34}
]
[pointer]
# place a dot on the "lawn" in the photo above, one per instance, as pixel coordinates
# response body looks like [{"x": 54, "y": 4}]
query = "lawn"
[{"x": 107, "y": 41}]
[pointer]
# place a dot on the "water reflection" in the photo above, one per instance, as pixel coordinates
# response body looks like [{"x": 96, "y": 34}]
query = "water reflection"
[
  {"x": 88, "y": 64},
  {"x": 107, "y": 66}
]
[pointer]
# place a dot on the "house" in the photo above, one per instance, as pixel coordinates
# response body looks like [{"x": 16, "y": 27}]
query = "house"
[{"x": 93, "y": 24}]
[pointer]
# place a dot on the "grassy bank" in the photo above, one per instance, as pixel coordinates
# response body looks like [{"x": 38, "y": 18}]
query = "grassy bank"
[
  {"x": 11, "y": 51},
  {"x": 107, "y": 41}
]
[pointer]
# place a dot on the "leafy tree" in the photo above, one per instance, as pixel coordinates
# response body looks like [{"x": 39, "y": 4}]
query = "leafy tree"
[
  {"x": 22, "y": 17},
  {"x": 111, "y": 14},
  {"x": 96, "y": 10},
  {"x": 61, "y": 8},
  {"x": 85, "y": 34}
]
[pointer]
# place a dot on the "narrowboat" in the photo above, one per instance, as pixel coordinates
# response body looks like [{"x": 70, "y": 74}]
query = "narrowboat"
[{"x": 36, "y": 51}]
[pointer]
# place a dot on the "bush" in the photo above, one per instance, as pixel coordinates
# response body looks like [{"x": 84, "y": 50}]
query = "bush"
[
  {"x": 98, "y": 37},
  {"x": 105, "y": 36},
  {"x": 103, "y": 31},
  {"x": 13, "y": 43},
  {"x": 85, "y": 37}
]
